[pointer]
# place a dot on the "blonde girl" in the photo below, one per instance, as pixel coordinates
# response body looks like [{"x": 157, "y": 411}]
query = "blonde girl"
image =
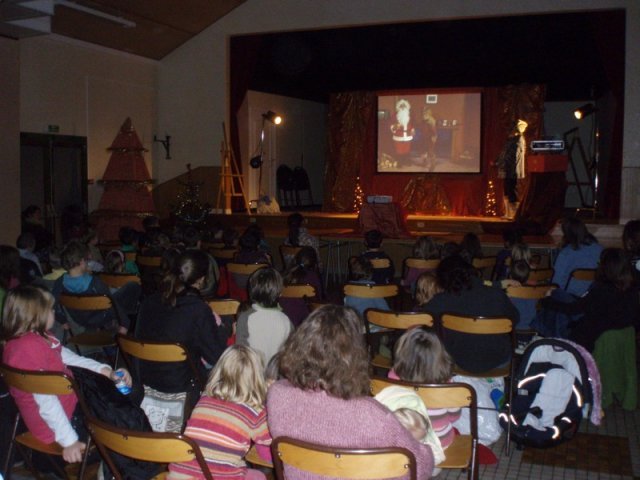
[
  {"x": 420, "y": 357},
  {"x": 426, "y": 287},
  {"x": 229, "y": 417},
  {"x": 27, "y": 318}
]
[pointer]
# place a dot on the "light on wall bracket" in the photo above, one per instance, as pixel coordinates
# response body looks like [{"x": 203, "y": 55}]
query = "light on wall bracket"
[{"x": 166, "y": 143}]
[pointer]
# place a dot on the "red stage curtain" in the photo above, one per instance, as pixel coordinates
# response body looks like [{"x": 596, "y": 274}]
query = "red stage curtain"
[{"x": 352, "y": 151}]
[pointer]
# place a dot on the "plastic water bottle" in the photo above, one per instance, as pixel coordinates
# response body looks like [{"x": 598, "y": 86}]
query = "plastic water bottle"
[{"x": 122, "y": 387}]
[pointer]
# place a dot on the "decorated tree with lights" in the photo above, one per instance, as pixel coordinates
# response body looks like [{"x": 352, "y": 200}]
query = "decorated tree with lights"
[
  {"x": 490, "y": 205},
  {"x": 358, "y": 197},
  {"x": 188, "y": 207}
]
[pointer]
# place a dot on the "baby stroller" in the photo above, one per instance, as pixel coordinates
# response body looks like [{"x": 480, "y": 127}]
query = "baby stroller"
[{"x": 555, "y": 384}]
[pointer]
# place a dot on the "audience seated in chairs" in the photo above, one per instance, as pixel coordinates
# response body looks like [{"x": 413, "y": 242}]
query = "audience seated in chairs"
[
  {"x": 373, "y": 244},
  {"x": 303, "y": 272}
]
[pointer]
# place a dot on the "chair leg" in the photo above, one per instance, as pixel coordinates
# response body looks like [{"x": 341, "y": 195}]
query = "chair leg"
[{"x": 7, "y": 462}]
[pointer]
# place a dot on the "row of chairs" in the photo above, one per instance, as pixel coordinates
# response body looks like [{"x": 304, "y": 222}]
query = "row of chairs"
[{"x": 166, "y": 448}]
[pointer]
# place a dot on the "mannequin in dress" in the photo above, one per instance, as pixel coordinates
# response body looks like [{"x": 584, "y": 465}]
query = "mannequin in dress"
[{"x": 511, "y": 167}]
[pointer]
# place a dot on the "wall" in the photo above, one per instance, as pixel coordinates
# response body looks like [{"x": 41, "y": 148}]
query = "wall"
[
  {"x": 300, "y": 140},
  {"x": 87, "y": 91},
  {"x": 10, "y": 141},
  {"x": 193, "y": 80}
]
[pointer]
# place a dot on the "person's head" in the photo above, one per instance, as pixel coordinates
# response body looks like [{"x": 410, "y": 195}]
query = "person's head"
[
  {"x": 150, "y": 223},
  {"x": 9, "y": 265},
  {"x": 230, "y": 237},
  {"x": 360, "y": 268},
  {"x": 327, "y": 352},
  {"x": 420, "y": 357},
  {"x": 520, "y": 271},
  {"x": 414, "y": 422},
  {"x": 189, "y": 271},
  {"x": 575, "y": 233},
  {"x": 426, "y": 248},
  {"x": 26, "y": 241},
  {"x": 27, "y": 309},
  {"x": 294, "y": 222},
  {"x": 74, "y": 257},
  {"x": 238, "y": 377},
  {"x": 615, "y": 268},
  {"x": 306, "y": 260},
  {"x": 471, "y": 244},
  {"x": 249, "y": 241},
  {"x": 127, "y": 236},
  {"x": 169, "y": 259},
  {"x": 426, "y": 287},
  {"x": 191, "y": 237},
  {"x": 373, "y": 239},
  {"x": 521, "y": 251},
  {"x": 455, "y": 274},
  {"x": 631, "y": 237},
  {"x": 272, "y": 370},
  {"x": 32, "y": 214},
  {"x": 449, "y": 249},
  {"x": 265, "y": 287},
  {"x": 114, "y": 262},
  {"x": 511, "y": 236}
]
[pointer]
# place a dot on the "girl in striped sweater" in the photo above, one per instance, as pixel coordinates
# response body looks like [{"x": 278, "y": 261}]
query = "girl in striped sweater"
[{"x": 229, "y": 416}]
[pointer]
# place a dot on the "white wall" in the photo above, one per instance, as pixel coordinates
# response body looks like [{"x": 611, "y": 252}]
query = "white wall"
[
  {"x": 87, "y": 91},
  {"x": 300, "y": 140},
  {"x": 9, "y": 141},
  {"x": 193, "y": 80}
]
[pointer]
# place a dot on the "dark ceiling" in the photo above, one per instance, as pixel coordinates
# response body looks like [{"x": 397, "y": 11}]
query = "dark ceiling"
[{"x": 577, "y": 55}]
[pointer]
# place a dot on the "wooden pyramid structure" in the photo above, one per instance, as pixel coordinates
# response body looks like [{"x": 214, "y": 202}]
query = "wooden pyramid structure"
[{"x": 127, "y": 186}]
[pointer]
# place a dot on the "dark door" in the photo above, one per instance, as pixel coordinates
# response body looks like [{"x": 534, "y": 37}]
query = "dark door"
[{"x": 53, "y": 176}]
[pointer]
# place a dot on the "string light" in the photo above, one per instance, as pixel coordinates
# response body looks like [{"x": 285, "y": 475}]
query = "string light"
[
  {"x": 490, "y": 204},
  {"x": 358, "y": 196}
]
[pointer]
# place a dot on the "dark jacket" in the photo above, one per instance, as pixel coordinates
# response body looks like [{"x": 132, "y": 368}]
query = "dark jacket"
[
  {"x": 190, "y": 323},
  {"x": 471, "y": 352}
]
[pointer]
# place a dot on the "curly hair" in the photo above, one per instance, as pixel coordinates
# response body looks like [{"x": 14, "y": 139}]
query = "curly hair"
[
  {"x": 327, "y": 352},
  {"x": 455, "y": 274}
]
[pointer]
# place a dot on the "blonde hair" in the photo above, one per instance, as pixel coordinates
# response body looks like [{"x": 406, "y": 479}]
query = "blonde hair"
[
  {"x": 26, "y": 309},
  {"x": 426, "y": 287},
  {"x": 238, "y": 377},
  {"x": 413, "y": 421},
  {"x": 420, "y": 357}
]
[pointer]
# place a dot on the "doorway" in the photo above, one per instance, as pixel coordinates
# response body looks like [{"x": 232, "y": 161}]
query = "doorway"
[{"x": 53, "y": 176}]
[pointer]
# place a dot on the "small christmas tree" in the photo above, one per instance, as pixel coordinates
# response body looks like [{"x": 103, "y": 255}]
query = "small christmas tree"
[
  {"x": 490, "y": 204},
  {"x": 358, "y": 197},
  {"x": 189, "y": 208}
]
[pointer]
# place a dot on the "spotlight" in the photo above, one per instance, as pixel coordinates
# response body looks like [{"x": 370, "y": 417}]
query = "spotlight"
[
  {"x": 256, "y": 162},
  {"x": 584, "y": 111},
  {"x": 273, "y": 117}
]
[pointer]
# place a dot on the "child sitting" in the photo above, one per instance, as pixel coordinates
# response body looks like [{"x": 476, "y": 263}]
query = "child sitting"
[
  {"x": 114, "y": 262},
  {"x": 129, "y": 243},
  {"x": 373, "y": 242},
  {"x": 304, "y": 271},
  {"x": 426, "y": 288},
  {"x": 263, "y": 326},
  {"x": 229, "y": 416},
  {"x": 361, "y": 272},
  {"x": 78, "y": 280},
  {"x": 28, "y": 345}
]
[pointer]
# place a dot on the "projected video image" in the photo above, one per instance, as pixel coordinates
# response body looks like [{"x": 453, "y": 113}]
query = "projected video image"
[{"x": 430, "y": 132}]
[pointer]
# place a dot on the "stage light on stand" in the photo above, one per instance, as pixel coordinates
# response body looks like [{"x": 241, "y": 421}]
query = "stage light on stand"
[
  {"x": 273, "y": 117},
  {"x": 257, "y": 160},
  {"x": 584, "y": 111}
]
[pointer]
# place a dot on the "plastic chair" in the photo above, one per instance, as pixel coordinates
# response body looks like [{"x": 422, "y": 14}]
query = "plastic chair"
[
  {"x": 388, "y": 320},
  {"x": 40, "y": 382},
  {"x": 90, "y": 303},
  {"x": 224, "y": 306},
  {"x": 254, "y": 458},
  {"x": 157, "y": 352},
  {"x": 463, "y": 452},
  {"x": 541, "y": 275},
  {"x": 485, "y": 264},
  {"x": 130, "y": 256},
  {"x": 147, "y": 261},
  {"x": 582, "y": 275},
  {"x": 346, "y": 463},
  {"x": 298, "y": 291},
  {"x": 223, "y": 253},
  {"x": 154, "y": 447},
  {"x": 486, "y": 326},
  {"x": 117, "y": 280}
]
